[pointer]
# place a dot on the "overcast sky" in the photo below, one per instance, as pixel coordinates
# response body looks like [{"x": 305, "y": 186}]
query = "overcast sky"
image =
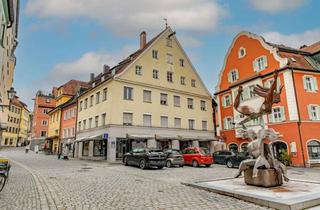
[{"x": 61, "y": 40}]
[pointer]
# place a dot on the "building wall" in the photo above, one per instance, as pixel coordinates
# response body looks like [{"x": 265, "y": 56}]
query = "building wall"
[
  {"x": 68, "y": 121},
  {"x": 24, "y": 125},
  {"x": 10, "y": 136}
]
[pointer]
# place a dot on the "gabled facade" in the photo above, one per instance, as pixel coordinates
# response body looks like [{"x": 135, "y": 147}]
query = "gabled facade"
[
  {"x": 251, "y": 60},
  {"x": 154, "y": 98},
  {"x": 61, "y": 95}
]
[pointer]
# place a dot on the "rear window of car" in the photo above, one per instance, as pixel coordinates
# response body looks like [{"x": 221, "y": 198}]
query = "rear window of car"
[{"x": 174, "y": 152}]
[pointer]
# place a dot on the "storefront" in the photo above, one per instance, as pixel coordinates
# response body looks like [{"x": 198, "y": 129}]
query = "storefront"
[{"x": 91, "y": 148}]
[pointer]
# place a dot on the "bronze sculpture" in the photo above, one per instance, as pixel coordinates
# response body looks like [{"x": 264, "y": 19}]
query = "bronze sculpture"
[{"x": 263, "y": 161}]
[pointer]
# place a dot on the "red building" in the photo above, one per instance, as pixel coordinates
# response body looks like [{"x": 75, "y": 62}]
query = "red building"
[
  {"x": 251, "y": 60},
  {"x": 43, "y": 103}
]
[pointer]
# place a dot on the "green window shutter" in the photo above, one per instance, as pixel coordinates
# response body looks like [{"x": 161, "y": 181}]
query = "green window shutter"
[
  {"x": 223, "y": 101},
  {"x": 5, "y": 11},
  {"x": 278, "y": 84},
  {"x": 270, "y": 117},
  {"x": 309, "y": 112},
  {"x": 237, "y": 73},
  {"x": 225, "y": 123},
  {"x": 265, "y": 61},
  {"x": 255, "y": 65},
  {"x": 229, "y": 76},
  {"x": 315, "y": 83},
  {"x": 304, "y": 82},
  {"x": 283, "y": 114}
]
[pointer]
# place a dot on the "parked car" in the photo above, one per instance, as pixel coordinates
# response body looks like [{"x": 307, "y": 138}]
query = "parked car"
[
  {"x": 220, "y": 157},
  {"x": 145, "y": 158},
  {"x": 174, "y": 158},
  {"x": 235, "y": 160},
  {"x": 196, "y": 156}
]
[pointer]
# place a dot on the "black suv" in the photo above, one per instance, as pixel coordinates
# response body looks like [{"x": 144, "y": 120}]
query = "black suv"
[
  {"x": 145, "y": 158},
  {"x": 220, "y": 157},
  {"x": 235, "y": 160}
]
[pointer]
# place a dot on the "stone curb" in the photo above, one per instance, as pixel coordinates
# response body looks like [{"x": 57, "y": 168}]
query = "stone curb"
[{"x": 46, "y": 200}]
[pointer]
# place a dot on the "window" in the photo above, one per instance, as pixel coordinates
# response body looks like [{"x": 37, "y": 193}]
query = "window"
[
  {"x": 99, "y": 148},
  {"x": 177, "y": 122},
  {"x": 241, "y": 52},
  {"x": 90, "y": 122},
  {"x": 164, "y": 121},
  {"x": 84, "y": 124},
  {"x": 80, "y": 106},
  {"x": 191, "y": 124},
  {"x": 169, "y": 42},
  {"x": 91, "y": 100},
  {"x": 176, "y": 101},
  {"x": 98, "y": 97},
  {"x": 96, "y": 121},
  {"x": 155, "y": 74},
  {"x": 181, "y": 61},
  {"x": 147, "y": 96},
  {"x": 43, "y": 133},
  {"x": 228, "y": 123},
  {"x": 105, "y": 92},
  {"x": 314, "y": 150},
  {"x": 45, "y": 111},
  {"x": 163, "y": 99},
  {"x": 44, "y": 122},
  {"x": 310, "y": 83},
  {"x": 269, "y": 83},
  {"x": 260, "y": 63},
  {"x": 193, "y": 83},
  {"x": 155, "y": 54},
  {"x": 203, "y": 105},
  {"x": 85, "y": 103},
  {"x": 103, "y": 119},
  {"x": 233, "y": 75},
  {"x": 169, "y": 58},
  {"x": 127, "y": 118},
  {"x": 85, "y": 148},
  {"x": 190, "y": 103},
  {"x": 314, "y": 112},
  {"x": 146, "y": 120},
  {"x": 277, "y": 115},
  {"x": 182, "y": 80},
  {"x": 127, "y": 94},
  {"x": 79, "y": 126},
  {"x": 204, "y": 125},
  {"x": 138, "y": 70},
  {"x": 169, "y": 76}
]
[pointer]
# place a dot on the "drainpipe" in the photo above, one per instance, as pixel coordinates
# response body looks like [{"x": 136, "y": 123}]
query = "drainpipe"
[{"x": 299, "y": 118}]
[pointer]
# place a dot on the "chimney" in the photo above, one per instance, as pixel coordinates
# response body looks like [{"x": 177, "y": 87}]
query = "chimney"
[
  {"x": 91, "y": 77},
  {"x": 106, "y": 68},
  {"x": 143, "y": 39}
]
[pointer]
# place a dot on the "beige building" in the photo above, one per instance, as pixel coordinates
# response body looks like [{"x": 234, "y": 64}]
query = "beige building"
[
  {"x": 18, "y": 124},
  {"x": 153, "y": 98},
  {"x": 9, "y": 12}
]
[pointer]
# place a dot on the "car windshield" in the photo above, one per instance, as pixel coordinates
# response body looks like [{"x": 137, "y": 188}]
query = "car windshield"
[
  {"x": 174, "y": 152},
  {"x": 204, "y": 151}
]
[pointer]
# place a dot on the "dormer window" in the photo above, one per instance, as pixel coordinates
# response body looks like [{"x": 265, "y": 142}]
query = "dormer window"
[
  {"x": 233, "y": 76},
  {"x": 241, "y": 52},
  {"x": 138, "y": 70}
]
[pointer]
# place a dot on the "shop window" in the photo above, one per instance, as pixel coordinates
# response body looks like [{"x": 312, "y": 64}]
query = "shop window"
[
  {"x": 85, "y": 148},
  {"x": 233, "y": 148},
  {"x": 99, "y": 148}
]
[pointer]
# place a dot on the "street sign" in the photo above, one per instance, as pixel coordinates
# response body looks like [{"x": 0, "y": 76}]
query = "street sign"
[{"x": 105, "y": 136}]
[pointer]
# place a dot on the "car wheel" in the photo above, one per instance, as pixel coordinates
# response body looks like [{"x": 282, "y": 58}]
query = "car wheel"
[
  {"x": 229, "y": 164},
  {"x": 125, "y": 161},
  {"x": 168, "y": 164},
  {"x": 208, "y": 165},
  {"x": 142, "y": 164},
  {"x": 195, "y": 163}
]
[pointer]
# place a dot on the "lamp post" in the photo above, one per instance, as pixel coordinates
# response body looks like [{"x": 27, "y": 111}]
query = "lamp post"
[{"x": 11, "y": 94}]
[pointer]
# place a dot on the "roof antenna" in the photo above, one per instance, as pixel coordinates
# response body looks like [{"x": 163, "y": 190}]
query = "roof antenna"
[{"x": 166, "y": 22}]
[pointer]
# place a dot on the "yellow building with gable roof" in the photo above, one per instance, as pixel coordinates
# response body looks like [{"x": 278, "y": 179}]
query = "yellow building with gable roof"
[{"x": 153, "y": 98}]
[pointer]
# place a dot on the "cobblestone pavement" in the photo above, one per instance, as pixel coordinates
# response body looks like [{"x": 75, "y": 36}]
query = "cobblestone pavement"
[{"x": 42, "y": 182}]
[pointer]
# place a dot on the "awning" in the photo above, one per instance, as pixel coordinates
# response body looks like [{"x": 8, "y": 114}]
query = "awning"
[
  {"x": 166, "y": 137},
  {"x": 81, "y": 139},
  {"x": 139, "y": 136},
  {"x": 207, "y": 138},
  {"x": 187, "y": 138},
  {"x": 95, "y": 137}
]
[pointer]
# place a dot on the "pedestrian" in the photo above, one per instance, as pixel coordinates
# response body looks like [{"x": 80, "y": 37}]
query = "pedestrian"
[{"x": 27, "y": 148}]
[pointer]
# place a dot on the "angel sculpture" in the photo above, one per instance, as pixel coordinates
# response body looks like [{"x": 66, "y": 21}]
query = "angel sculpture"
[{"x": 261, "y": 152}]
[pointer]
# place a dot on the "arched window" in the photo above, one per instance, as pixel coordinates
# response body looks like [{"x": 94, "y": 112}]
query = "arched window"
[
  {"x": 233, "y": 148},
  {"x": 244, "y": 147},
  {"x": 314, "y": 150}
]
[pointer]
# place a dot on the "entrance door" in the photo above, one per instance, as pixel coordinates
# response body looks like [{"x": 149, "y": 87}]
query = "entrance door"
[
  {"x": 277, "y": 147},
  {"x": 164, "y": 144},
  {"x": 123, "y": 146}
]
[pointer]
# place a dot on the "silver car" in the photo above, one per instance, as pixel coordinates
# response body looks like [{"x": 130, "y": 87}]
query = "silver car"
[{"x": 174, "y": 158}]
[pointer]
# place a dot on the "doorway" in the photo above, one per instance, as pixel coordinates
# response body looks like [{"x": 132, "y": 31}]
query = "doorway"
[{"x": 277, "y": 148}]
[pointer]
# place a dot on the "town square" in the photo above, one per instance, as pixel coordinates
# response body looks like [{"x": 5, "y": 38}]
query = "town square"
[{"x": 184, "y": 104}]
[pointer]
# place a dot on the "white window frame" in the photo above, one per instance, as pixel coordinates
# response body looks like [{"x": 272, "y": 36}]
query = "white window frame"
[
  {"x": 281, "y": 115},
  {"x": 242, "y": 49},
  {"x": 314, "y": 112},
  {"x": 155, "y": 54},
  {"x": 190, "y": 103},
  {"x": 313, "y": 86},
  {"x": 161, "y": 121},
  {"x": 191, "y": 123},
  {"x": 163, "y": 102},
  {"x": 228, "y": 123},
  {"x": 224, "y": 100},
  {"x": 138, "y": 70},
  {"x": 233, "y": 75},
  {"x": 260, "y": 63},
  {"x": 145, "y": 94},
  {"x": 127, "y": 93},
  {"x": 177, "y": 122},
  {"x": 176, "y": 101},
  {"x": 155, "y": 74},
  {"x": 204, "y": 125},
  {"x": 170, "y": 76},
  {"x": 145, "y": 123},
  {"x": 125, "y": 122}
]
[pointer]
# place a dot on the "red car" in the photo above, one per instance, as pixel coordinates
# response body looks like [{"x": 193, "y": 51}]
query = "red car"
[{"x": 196, "y": 156}]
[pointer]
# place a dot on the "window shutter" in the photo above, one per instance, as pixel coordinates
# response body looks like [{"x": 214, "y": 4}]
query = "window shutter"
[
  {"x": 265, "y": 61},
  {"x": 283, "y": 115},
  {"x": 309, "y": 112},
  {"x": 315, "y": 83},
  {"x": 224, "y": 101},
  {"x": 225, "y": 123},
  {"x": 304, "y": 82},
  {"x": 318, "y": 112},
  {"x": 270, "y": 117},
  {"x": 255, "y": 66},
  {"x": 229, "y": 77},
  {"x": 237, "y": 73}
]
